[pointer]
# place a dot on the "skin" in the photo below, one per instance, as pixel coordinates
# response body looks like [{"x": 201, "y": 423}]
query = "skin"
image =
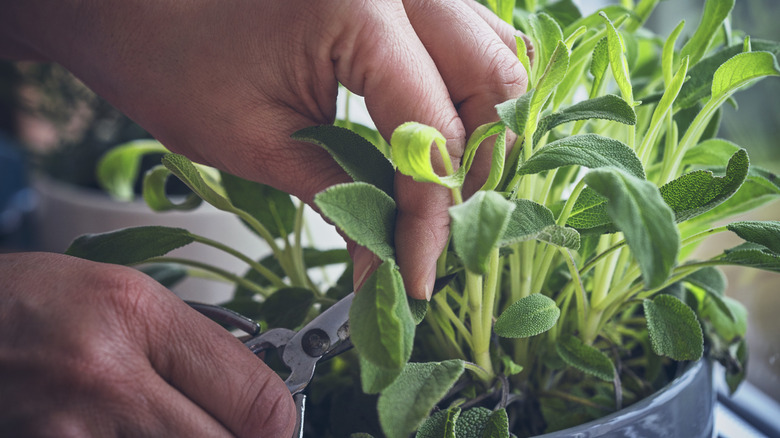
[{"x": 226, "y": 87}]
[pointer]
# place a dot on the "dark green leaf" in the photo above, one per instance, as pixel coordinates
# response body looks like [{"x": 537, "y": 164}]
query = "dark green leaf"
[
  {"x": 674, "y": 330},
  {"x": 167, "y": 274},
  {"x": 527, "y": 317},
  {"x": 129, "y": 246},
  {"x": 381, "y": 325},
  {"x": 118, "y": 169},
  {"x": 753, "y": 257},
  {"x": 585, "y": 358},
  {"x": 356, "y": 155},
  {"x": 419, "y": 309},
  {"x": 734, "y": 378},
  {"x": 314, "y": 258},
  {"x": 711, "y": 279},
  {"x": 700, "y": 191},
  {"x": 514, "y": 112},
  {"x": 637, "y": 209},
  {"x": 440, "y": 425},
  {"x": 287, "y": 308},
  {"x": 589, "y": 214},
  {"x": 759, "y": 188},
  {"x": 407, "y": 402},
  {"x": 271, "y": 207},
  {"x": 497, "y": 425},
  {"x": 766, "y": 233},
  {"x": 715, "y": 11},
  {"x": 607, "y": 107},
  {"x": 526, "y": 221},
  {"x": 374, "y": 379},
  {"x": 472, "y": 423},
  {"x": 587, "y": 150},
  {"x": 365, "y": 213},
  {"x": 477, "y": 225}
]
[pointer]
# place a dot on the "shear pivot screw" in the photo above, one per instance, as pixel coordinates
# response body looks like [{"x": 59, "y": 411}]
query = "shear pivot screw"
[{"x": 316, "y": 342}]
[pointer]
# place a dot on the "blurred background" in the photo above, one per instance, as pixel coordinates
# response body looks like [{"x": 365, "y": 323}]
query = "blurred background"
[{"x": 53, "y": 130}]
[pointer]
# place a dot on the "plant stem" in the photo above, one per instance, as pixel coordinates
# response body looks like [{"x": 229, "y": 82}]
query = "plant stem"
[
  {"x": 265, "y": 272},
  {"x": 490, "y": 291},
  {"x": 213, "y": 269},
  {"x": 479, "y": 339},
  {"x": 441, "y": 304}
]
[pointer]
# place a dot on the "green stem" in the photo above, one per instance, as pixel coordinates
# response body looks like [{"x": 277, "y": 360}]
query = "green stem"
[
  {"x": 490, "y": 291},
  {"x": 480, "y": 340},
  {"x": 581, "y": 297},
  {"x": 265, "y": 272},
  {"x": 213, "y": 269},
  {"x": 441, "y": 304}
]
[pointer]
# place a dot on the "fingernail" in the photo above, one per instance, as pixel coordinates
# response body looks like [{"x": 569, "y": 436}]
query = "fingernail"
[{"x": 429, "y": 284}]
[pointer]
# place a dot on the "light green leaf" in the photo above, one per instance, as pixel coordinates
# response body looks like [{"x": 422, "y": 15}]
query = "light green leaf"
[
  {"x": 599, "y": 65},
  {"x": 356, "y": 155},
  {"x": 564, "y": 12},
  {"x": 587, "y": 150},
  {"x": 155, "y": 196},
  {"x": 553, "y": 75},
  {"x": 440, "y": 425},
  {"x": 617, "y": 60},
  {"x": 129, "y": 246},
  {"x": 607, "y": 107},
  {"x": 674, "y": 330},
  {"x": 287, "y": 307},
  {"x": 479, "y": 135},
  {"x": 585, "y": 358},
  {"x": 381, "y": 324},
  {"x": 374, "y": 379},
  {"x": 522, "y": 54},
  {"x": 407, "y": 402},
  {"x": 664, "y": 107},
  {"x": 667, "y": 56},
  {"x": 118, "y": 169},
  {"x": 476, "y": 227},
  {"x": 505, "y": 9},
  {"x": 728, "y": 317},
  {"x": 766, "y": 233},
  {"x": 741, "y": 69},
  {"x": 271, "y": 207},
  {"x": 365, "y": 214},
  {"x": 592, "y": 21},
  {"x": 472, "y": 423},
  {"x": 715, "y": 11},
  {"x": 547, "y": 34},
  {"x": 638, "y": 210},
  {"x": 199, "y": 183},
  {"x": 528, "y": 316},
  {"x": 700, "y": 191},
  {"x": 714, "y": 152},
  {"x": 515, "y": 112},
  {"x": 411, "y": 150}
]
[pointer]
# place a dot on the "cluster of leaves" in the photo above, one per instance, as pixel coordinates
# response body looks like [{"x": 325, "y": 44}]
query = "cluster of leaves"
[{"x": 569, "y": 285}]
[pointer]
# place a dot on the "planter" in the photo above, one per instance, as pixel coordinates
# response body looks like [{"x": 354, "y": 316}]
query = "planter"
[{"x": 684, "y": 408}]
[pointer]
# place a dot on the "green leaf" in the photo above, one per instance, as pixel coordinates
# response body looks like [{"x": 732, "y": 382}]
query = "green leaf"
[
  {"x": 715, "y": 11},
  {"x": 766, "y": 233},
  {"x": 547, "y": 34},
  {"x": 167, "y": 274},
  {"x": 607, "y": 107},
  {"x": 405, "y": 403},
  {"x": 479, "y": 135},
  {"x": 589, "y": 214},
  {"x": 440, "y": 425},
  {"x": 118, "y": 169},
  {"x": 522, "y": 54},
  {"x": 374, "y": 379},
  {"x": 287, "y": 307},
  {"x": 528, "y": 316},
  {"x": 411, "y": 149},
  {"x": 129, "y": 246},
  {"x": 759, "y": 188},
  {"x": 741, "y": 69},
  {"x": 497, "y": 425},
  {"x": 700, "y": 191},
  {"x": 472, "y": 423},
  {"x": 381, "y": 324},
  {"x": 553, "y": 75},
  {"x": 709, "y": 278},
  {"x": 155, "y": 196},
  {"x": 729, "y": 323},
  {"x": 599, "y": 64},
  {"x": 530, "y": 220},
  {"x": 477, "y": 226},
  {"x": 667, "y": 56},
  {"x": 564, "y": 12},
  {"x": 365, "y": 214},
  {"x": 356, "y": 155},
  {"x": 271, "y": 207},
  {"x": 588, "y": 150},
  {"x": 674, "y": 330},
  {"x": 735, "y": 378},
  {"x": 186, "y": 171},
  {"x": 714, "y": 152},
  {"x": 585, "y": 358},
  {"x": 419, "y": 309},
  {"x": 755, "y": 256},
  {"x": 515, "y": 112},
  {"x": 617, "y": 60},
  {"x": 638, "y": 210},
  {"x": 592, "y": 21}
]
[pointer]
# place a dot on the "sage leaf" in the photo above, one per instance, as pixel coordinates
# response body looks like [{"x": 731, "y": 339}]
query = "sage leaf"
[
  {"x": 129, "y": 246},
  {"x": 735, "y": 377},
  {"x": 741, "y": 69},
  {"x": 700, "y": 191},
  {"x": 709, "y": 278},
  {"x": 617, "y": 60},
  {"x": 527, "y": 220},
  {"x": 638, "y": 210},
  {"x": 118, "y": 169},
  {"x": 477, "y": 226},
  {"x": 406, "y": 403},
  {"x": 759, "y": 188},
  {"x": 186, "y": 171},
  {"x": 357, "y": 156},
  {"x": 528, "y": 316},
  {"x": 587, "y": 150},
  {"x": 713, "y": 152},
  {"x": 365, "y": 214},
  {"x": 419, "y": 309},
  {"x": 374, "y": 379},
  {"x": 472, "y": 423},
  {"x": 564, "y": 12},
  {"x": 766, "y": 233},
  {"x": 614, "y": 12},
  {"x": 381, "y": 324},
  {"x": 674, "y": 330},
  {"x": 514, "y": 113},
  {"x": 585, "y": 358},
  {"x": 440, "y": 425},
  {"x": 167, "y": 274},
  {"x": 715, "y": 11},
  {"x": 156, "y": 198},
  {"x": 553, "y": 75},
  {"x": 497, "y": 425},
  {"x": 287, "y": 307},
  {"x": 589, "y": 214},
  {"x": 271, "y": 207},
  {"x": 727, "y": 316},
  {"x": 599, "y": 64},
  {"x": 546, "y": 34},
  {"x": 411, "y": 150},
  {"x": 752, "y": 256},
  {"x": 607, "y": 107}
]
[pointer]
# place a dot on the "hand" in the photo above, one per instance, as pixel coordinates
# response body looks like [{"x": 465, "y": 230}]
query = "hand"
[
  {"x": 89, "y": 349},
  {"x": 227, "y": 85}
]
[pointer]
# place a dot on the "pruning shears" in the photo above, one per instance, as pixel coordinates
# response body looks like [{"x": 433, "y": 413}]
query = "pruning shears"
[{"x": 325, "y": 336}]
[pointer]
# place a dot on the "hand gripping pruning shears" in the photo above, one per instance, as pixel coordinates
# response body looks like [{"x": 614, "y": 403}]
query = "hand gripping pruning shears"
[{"x": 324, "y": 337}]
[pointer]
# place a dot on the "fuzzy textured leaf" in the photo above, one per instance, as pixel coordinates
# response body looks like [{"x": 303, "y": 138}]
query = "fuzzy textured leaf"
[
  {"x": 637, "y": 209},
  {"x": 713, "y": 152},
  {"x": 766, "y": 233},
  {"x": 411, "y": 150},
  {"x": 477, "y": 226},
  {"x": 741, "y": 69},
  {"x": 186, "y": 171},
  {"x": 129, "y": 246},
  {"x": 752, "y": 256},
  {"x": 472, "y": 423},
  {"x": 759, "y": 188},
  {"x": 530, "y": 220},
  {"x": 607, "y": 107},
  {"x": 365, "y": 213},
  {"x": 585, "y": 358},
  {"x": 715, "y": 11},
  {"x": 271, "y": 207},
  {"x": 710, "y": 278},
  {"x": 287, "y": 307},
  {"x": 528, "y": 316},
  {"x": 589, "y": 214},
  {"x": 356, "y": 155},
  {"x": 617, "y": 60},
  {"x": 674, "y": 330},
  {"x": 440, "y": 425},
  {"x": 374, "y": 379},
  {"x": 157, "y": 199},
  {"x": 381, "y": 324},
  {"x": 407, "y": 402},
  {"x": 515, "y": 112}
]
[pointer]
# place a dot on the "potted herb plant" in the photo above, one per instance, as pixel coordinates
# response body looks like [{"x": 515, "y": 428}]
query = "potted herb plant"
[{"x": 569, "y": 298}]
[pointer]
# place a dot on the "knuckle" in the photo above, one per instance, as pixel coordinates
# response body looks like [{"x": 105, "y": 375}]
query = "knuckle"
[{"x": 269, "y": 408}]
